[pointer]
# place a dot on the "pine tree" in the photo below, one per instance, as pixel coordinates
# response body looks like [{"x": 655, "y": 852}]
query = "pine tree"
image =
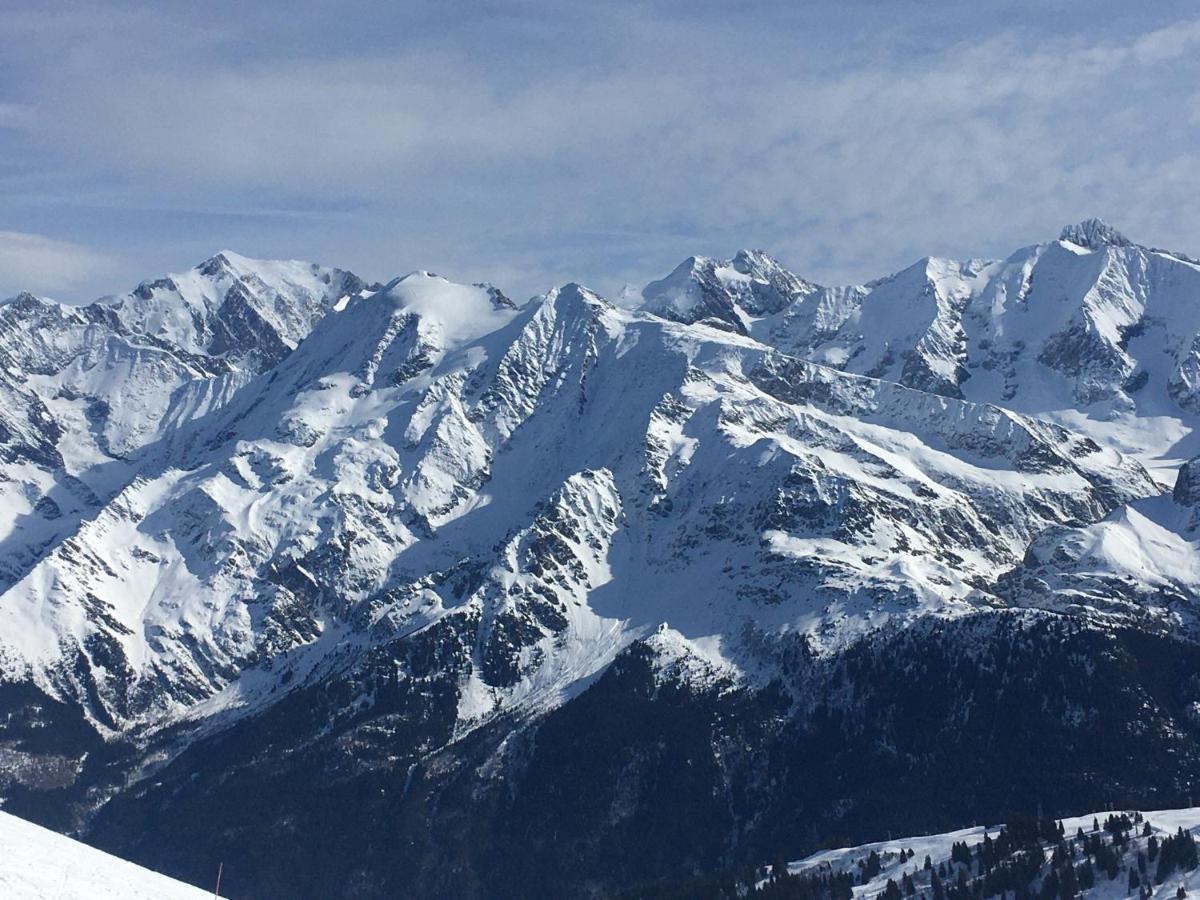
[
  {"x": 1069, "y": 884},
  {"x": 1050, "y": 886},
  {"x": 935, "y": 887},
  {"x": 873, "y": 867},
  {"x": 1188, "y": 858},
  {"x": 1087, "y": 875},
  {"x": 1134, "y": 880}
]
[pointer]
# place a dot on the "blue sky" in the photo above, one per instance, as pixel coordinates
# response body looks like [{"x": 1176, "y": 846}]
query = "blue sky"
[{"x": 532, "y": 143}]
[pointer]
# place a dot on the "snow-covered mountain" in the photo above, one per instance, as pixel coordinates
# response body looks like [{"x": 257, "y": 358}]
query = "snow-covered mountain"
[
  {"x": 331, "y": 532},
  {"x": 1091, "y": 330},
  {"x": 88, "y": 388},
  {"x": 433, "y": 451}
]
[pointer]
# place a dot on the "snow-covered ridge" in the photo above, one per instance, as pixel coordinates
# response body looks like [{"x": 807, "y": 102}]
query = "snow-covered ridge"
[
  {"x": 37, "y": 864},
  {"x": 1092, "y": 330},
  {"x": 272, "y": 469},
  {"x": 91, "y": 390},
  {"x": 905, "y": 857},
  {"x": 566, "y": 456}
]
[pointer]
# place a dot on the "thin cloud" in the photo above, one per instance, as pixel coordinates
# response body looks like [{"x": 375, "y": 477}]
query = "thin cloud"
[
  {"x": 36, "y": 263},
  {"x": 846, "y": 155}
]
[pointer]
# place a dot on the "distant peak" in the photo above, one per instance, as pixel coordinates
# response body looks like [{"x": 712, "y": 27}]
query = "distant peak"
[
  {"x": 1094, "y": 234},
  {"x": 574, "y": 291},
  {"x": 226, "y": 262},
  {"x": 747, "y": 258},
  {"x": 216, "y": 264},
  {"x": 25, "y": 302}
]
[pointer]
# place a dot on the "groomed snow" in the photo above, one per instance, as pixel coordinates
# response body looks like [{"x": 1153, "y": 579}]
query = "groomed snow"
[{"x": 38, "y": 864}]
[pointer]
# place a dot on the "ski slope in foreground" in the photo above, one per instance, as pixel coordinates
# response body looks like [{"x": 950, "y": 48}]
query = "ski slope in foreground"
[{"x": 38, "y": 864}]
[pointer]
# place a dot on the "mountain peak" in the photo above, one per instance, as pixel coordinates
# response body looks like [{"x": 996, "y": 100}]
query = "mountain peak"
[
  {"x": 750, "y": 285},
  {"x": 1095, "y": 234},
  {"x": 746, "y": 259},
  {"x": 23, "y": 298},
  {"x": 216, "y": 264},
  {"x": 462, "y": 311}
]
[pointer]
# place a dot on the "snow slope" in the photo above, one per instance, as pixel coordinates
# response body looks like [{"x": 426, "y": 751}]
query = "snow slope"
[
  {"x": 38, "y": 864},
  {"x": 1092, "y": 330},
  {"x": 1141, "y": 563},
  {"x": 89, "y": 391},
  {"x": 558, "y": 480},
  {"x": 227, "y": 482},
  {"x": 938, "y": 848}
]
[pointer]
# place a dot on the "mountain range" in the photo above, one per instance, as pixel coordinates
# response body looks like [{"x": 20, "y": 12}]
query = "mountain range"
[{"x": 413, "y": 589}]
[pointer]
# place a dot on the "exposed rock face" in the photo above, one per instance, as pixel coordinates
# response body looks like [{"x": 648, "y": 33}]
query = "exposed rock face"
[
  {"x": 1095, "y": 234},
  {"x": 1187, "y": 484},
  {"x": 727, "y": 294},
  {"x": 414, "y": 544}
]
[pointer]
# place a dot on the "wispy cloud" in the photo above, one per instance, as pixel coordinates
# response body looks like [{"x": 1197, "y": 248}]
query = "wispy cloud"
[
  {"x": 34, "y": 262},
  {"x": 608, "y": 141}
]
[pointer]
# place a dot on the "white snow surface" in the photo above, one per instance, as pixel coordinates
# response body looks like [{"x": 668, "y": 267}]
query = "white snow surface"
[
  {"x": 628, "y": 471},
  {"x": 91, "y": 393},
  {"x": 938, "y": 847},
  {"x": 38, "y": 864},
  {"x": 1092, "y": 331},
  {"x": 311, "y": 467}
]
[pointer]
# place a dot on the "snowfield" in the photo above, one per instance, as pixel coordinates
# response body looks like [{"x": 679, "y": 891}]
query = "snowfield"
[
  {"x": 38, "y": 864},
  {"x": 938, "y": 848}
]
